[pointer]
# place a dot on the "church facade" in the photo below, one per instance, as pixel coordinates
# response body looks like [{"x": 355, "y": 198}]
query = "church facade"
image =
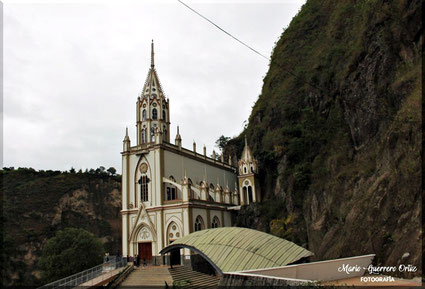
[{"x": 169, "y": 191}]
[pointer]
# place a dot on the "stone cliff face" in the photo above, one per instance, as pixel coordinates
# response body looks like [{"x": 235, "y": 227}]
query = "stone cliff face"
[
  {"x": 37, "y": 204},
  {"x": 337, "y": 131}
]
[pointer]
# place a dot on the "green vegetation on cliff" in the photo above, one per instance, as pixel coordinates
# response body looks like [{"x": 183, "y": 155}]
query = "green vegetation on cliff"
[
  {"x": 70, "y": 251},
  {"x": 36, "y": 204},
  {"x": 336, "y": 131}
]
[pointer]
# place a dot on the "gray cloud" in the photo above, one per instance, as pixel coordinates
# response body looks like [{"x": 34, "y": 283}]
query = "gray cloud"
[{"x": 72, "y": 74}]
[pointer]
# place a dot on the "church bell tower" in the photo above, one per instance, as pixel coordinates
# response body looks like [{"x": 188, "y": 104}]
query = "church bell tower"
[
  {"x": 153, "y": 112},
  {"x": 247, "y": 177}
]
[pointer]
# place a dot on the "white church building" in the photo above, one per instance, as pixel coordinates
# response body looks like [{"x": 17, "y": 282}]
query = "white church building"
[{"x": 169, "y": 191}]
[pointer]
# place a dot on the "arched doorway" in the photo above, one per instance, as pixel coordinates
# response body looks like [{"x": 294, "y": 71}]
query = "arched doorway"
[
  {"x": 250, "y": 199},
  {"x": 173, "y": 233},
  {"x": 144, "y": 240}
]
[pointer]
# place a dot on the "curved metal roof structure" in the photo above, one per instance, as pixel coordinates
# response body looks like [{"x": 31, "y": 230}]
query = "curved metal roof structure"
[{"x": 231, "y": 249}]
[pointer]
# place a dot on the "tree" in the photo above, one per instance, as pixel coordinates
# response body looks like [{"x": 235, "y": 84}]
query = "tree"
[
  {"x": 72, "y": 170},
  {"x": 112, "y": 171},
  {"x": 222, "y": 142},
  {"x": 70, "y": 251}
]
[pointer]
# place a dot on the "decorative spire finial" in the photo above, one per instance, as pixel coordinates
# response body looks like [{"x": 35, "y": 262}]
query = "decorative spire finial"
[
  {"x": 246, "y": 142},
  {"x": 152, "y": 59},
  {"x": 126, "y": 131}
]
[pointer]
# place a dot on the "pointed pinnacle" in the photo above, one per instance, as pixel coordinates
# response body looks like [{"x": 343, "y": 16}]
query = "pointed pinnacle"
[{"x": 152, "y": 57}]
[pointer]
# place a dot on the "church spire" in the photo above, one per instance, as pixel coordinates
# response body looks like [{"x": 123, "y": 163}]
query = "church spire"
[
  {"x": 153, "y": 115},
  {"x": 152, "y": 87},
  {"x": 152, "y": 56}
]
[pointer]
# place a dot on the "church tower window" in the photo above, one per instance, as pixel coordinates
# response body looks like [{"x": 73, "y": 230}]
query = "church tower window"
[
  {"x": 154, "y": 114},
  {"x": 144, "y": 114},
  {"x": 250, "y": 200},
  {"x": 245, "y": 195},
  {"x": 163, "y": 115},
  {"x": 144, "y": 194},
  {"x": 152, "y": 134},
  {"x": 143, "y": 135}
]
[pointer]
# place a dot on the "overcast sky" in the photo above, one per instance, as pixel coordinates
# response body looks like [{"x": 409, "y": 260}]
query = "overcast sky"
[{"x": 73, "y": 71}]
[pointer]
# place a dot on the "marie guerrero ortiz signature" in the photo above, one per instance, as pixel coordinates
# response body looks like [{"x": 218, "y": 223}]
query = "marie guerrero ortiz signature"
[{"x": 348, "y": 269}]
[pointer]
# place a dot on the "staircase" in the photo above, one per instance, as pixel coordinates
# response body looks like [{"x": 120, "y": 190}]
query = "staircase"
[
  {"x": 183, "y": 276},
  {"x": 154, "y": 276}
]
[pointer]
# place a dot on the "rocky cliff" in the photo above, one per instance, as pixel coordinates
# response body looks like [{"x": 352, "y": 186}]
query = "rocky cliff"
[
  {"x": 38, "y": 203},
  {"x": 337, "y": 132}
]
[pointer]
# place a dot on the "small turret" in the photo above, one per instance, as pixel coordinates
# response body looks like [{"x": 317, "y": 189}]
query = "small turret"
[
  {"x": 247, "y": 164},
  {"x": 178, "y": 140},
  {"x": 126, "y": 141},
  {"x": 248, "y": 186},
  {"x": 218, "y": 193}
]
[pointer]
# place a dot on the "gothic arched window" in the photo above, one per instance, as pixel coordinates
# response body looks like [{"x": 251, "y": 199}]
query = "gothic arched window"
[
  {"x": 144, "y": 194},
  {"x": 144, "y": 114},
  {"x": 152, "y": 134},
  {"x": 163, "y": 114},
  {"x": 244, "y": 170},
  {"x": 143, "y": 135},
  {"x": 245, "y": 195},
  {"x": 171, "y": 193},
  {"x": 215, "y": 223},
  {"x": 165, "y": 133},
  {"x": 154, "y": 114},
  {"x": 250, "y": 194},
  {"x": 199, "y": 224}
]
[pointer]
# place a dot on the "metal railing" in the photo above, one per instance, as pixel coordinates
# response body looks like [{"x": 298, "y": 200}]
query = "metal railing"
[{"x": 104, "y": 270}]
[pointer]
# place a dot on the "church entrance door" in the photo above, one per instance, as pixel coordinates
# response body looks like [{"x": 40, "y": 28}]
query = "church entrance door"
[
  {"x": 145, "y": 252},
  {"x": 175, "y": 257}
]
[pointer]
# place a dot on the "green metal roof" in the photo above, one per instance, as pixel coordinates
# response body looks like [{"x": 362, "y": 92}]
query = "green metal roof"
[{"x": 231, "y": 249}]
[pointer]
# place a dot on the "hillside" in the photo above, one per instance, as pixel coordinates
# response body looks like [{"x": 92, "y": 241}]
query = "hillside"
[
  {"x": 38, "y": 203},
  {"x": 337, "y": 132}
]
